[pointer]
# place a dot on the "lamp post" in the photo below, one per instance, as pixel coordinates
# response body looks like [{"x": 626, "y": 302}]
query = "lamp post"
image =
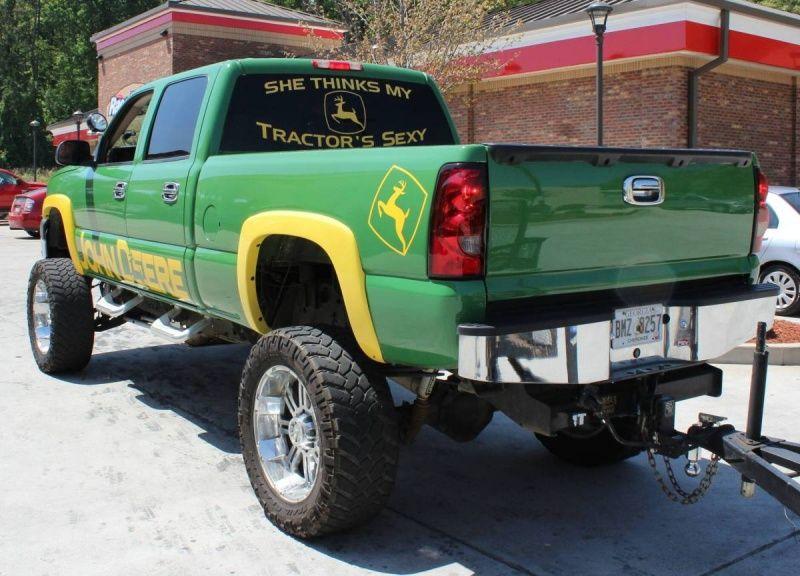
[
  {"x": 77, "y": 116},
  {"x": 34, "y": 124},
  {"x": 598, "y": 13}
]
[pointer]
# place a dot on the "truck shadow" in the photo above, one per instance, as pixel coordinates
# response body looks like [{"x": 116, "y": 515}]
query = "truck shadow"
[
  {"x": 199, "y": 384},
  {"x": 499, "y": 505}
]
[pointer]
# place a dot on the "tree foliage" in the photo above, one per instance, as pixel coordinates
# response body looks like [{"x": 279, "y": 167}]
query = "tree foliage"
[
  {"x": 446, "y": 38},
  {"x": 48, "y": 67}
]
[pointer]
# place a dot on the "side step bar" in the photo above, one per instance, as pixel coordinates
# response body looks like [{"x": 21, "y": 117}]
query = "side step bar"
[
  {"x": 165, "y": 327},
  {"x": 108, "y": 306}
]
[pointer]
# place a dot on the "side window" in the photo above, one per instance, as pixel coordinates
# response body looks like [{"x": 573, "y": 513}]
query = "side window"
[
  {"x": 176, "y": 119},
  {"x": 6, "y": 179},
  {"x": 120, "y": 145},
  {"x": 793, "y": 198},
  {"x": 773, "y": 218}
]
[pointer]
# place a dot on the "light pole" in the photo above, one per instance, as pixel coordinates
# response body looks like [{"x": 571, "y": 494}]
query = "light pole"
[
  {"x": 77, "y": 116},
  {"x": 598, "y": 12},
  {"x": 34, "y": 124}
]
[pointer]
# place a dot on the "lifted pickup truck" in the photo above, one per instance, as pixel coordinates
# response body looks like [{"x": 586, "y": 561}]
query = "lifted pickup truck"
[{"x": 326, "y": 212}]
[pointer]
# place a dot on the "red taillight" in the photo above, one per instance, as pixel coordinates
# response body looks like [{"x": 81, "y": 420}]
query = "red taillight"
[
  {"x": 762, "y": 213},
  {"x": 336, "y": 65},
  {"x": 457, "y": 245}
]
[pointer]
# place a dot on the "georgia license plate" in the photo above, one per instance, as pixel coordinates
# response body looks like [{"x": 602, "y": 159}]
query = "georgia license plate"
[{"x": 636, "y": 326}]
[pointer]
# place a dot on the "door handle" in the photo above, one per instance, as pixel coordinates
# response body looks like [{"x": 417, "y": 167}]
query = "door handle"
[
  {"x": 119, "y": 190},
  {"x": 643, "y": 190},
  {"x": 169, "y": 194}
]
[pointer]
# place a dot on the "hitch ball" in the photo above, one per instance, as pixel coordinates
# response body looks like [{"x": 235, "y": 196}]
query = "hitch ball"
[{"x": 692, "y": 468}]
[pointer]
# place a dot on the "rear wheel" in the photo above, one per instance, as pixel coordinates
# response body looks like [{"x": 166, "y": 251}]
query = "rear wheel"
[
  {"x": 589, "y": 448},
  {"x": 32, "y": 233},
  {"x": 60, "y": 316},
  {"x": 319, "y": 435},
  {"x": 788, "y": 281}
]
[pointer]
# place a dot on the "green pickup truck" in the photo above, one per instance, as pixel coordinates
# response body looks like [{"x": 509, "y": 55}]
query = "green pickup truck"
[{"x": 326, "y": 212}]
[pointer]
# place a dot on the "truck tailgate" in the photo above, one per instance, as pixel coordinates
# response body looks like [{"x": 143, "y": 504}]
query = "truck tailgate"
[{"x": 559, "y": 222}]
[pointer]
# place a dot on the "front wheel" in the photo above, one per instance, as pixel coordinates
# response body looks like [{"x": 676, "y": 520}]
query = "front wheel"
[
  {"x": 60, "y": 316},
  {"x": 319, "y": 435},
  {"x": 788, "y": 282}
]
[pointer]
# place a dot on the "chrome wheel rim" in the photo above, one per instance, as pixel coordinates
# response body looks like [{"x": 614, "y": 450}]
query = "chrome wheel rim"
[
  {"x": 286, "y": 433},
  {"x": 787, "y": 286},
  {"x": 41, "y": 317}
]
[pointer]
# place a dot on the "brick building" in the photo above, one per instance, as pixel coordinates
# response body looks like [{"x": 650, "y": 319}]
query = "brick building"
[
  {"x": 184, "y": 34},
  {"x": 545, "y": 90}
]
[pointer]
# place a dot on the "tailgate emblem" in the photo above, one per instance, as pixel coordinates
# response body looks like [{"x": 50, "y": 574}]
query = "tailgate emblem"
[
  {"x": 397, "y": 209},
  {"x": 643, "y": 190}
]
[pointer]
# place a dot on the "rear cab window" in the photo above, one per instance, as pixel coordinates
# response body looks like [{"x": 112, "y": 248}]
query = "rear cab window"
[{"x": 284, "y": 112}]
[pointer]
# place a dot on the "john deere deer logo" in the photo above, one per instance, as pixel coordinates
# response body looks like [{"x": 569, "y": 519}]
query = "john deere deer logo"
[
  {"x": 397, "y": 209},
  {"x": 345, "y": 112},
  {"x": 393, "y": 211}
]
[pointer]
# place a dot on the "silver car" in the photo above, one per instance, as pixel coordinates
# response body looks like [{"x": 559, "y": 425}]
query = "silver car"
[{"x": 780, "y": 252}]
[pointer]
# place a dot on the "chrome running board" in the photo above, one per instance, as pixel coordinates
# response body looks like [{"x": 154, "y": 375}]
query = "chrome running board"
[
  {"x": 164, "y": 326},
  {"x": 107, "y": 306}
]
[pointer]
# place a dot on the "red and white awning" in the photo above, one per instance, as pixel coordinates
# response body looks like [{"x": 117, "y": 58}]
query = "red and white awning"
[{"x": 636, "y": 32}]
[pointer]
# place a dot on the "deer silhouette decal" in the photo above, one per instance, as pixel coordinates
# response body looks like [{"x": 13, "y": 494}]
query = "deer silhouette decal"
[
  {"x": 393, "y": 211},
  {"x": 341, "y": 114},
  {"x": 396, "y": 210}
]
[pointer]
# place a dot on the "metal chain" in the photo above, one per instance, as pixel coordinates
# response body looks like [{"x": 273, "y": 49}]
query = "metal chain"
[{"x": 677, "y": 493}]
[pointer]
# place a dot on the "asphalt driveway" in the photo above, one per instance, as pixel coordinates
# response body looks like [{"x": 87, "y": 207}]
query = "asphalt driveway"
[{"x": 133, "y": 467}]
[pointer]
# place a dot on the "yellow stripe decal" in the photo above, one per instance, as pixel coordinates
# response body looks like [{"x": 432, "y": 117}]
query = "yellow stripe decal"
[{"x": 338, "y": 242}]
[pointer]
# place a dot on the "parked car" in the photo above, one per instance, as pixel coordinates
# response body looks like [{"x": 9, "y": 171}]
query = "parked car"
[
  {"x": 780, "y": 251},
  {"x": 26, "y": 211},
  {"x": 10, "y": 186},
  {"x": 328, "y": 211}
]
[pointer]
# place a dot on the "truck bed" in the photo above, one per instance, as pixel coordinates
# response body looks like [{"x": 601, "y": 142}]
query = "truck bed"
[{"x": 559, "y": 223}]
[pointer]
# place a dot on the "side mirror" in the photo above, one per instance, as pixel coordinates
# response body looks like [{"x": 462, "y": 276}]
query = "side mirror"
[
  {"x": 96, "y": 122},
  {"x": 73, "y": 153}
]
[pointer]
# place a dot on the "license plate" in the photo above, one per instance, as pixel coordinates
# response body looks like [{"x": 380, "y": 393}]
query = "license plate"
[{"x": 636, "y": 326}]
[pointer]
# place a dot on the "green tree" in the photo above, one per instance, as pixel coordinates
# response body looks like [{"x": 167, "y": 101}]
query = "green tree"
[{"x": 48, "y": 65}]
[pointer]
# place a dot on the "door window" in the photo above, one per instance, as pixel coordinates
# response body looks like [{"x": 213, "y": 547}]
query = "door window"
[
  {"x": 793, "y": 198},
  {"x": 773, "y": 218},
  {"x": 6, "y": 179},
  {"x": 176, "y": 119},
  {"x": 121, "y": 142}
]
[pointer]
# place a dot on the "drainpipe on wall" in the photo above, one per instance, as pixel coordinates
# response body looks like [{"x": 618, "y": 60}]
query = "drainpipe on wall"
[{"x": 694, "y": 75}]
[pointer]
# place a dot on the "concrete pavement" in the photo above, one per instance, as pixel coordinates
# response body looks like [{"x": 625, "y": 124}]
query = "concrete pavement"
[{"x": 133, "y": 467}]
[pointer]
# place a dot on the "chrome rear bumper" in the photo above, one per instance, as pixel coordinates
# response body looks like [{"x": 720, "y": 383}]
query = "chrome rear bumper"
[{"x": 578, "y": 351}]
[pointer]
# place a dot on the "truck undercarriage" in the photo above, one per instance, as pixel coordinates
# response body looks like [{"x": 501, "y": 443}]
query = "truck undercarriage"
[{"x": 638, "y": 413}]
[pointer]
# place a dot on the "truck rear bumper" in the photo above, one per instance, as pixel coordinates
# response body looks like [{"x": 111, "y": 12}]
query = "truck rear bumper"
[{"x": 578, "y": 350}]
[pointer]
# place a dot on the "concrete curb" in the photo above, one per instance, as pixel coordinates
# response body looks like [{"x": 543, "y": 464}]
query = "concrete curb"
[{"x": 779, "y": 355}]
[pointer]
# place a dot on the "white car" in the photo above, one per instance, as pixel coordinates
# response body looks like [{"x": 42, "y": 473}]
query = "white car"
[{"x": 780, "y": 252}]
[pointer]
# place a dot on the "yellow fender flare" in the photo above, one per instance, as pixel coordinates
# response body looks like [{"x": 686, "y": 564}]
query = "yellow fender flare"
[
  {"x": 63, "y": 204},
  {"x": 338, "y": 242}
]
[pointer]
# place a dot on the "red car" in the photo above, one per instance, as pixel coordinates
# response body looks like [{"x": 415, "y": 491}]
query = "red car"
[
  {"x": 26, "y": 211},
  {"x": 10, "y": 186}
]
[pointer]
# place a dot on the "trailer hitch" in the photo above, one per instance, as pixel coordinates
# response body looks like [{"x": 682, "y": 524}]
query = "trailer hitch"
[{"x": 755, "y": 456}]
